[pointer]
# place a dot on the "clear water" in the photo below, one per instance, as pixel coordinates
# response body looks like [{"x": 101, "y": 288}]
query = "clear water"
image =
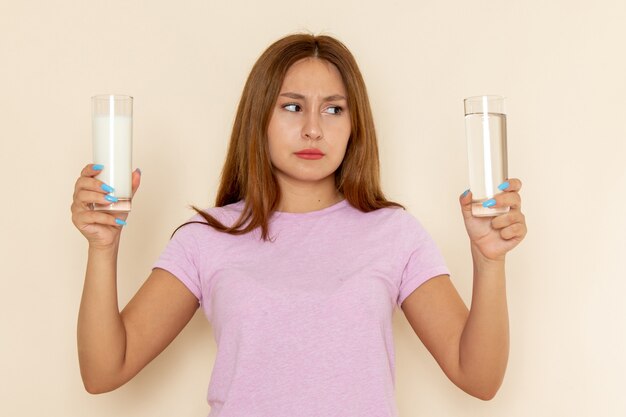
[{"x": 487, "y": 157}]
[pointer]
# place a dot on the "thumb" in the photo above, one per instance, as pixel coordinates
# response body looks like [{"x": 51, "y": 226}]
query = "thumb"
[
  {"x": 136, "y": 180},
  {"x": 466, "y": 203}
]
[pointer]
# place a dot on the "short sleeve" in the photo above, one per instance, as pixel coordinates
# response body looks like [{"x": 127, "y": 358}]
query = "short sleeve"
[
  {"x": 180, "y": 257},
  {"x": 422, "y": 258}
]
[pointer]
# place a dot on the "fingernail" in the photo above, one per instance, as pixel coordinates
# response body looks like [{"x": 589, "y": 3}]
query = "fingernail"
[
  {"x": 489, "y": 203},
  {"x": 503, "y": 186},
  {"x": 465, "y": 193},
  {"x": 110, "y": 198},
  {"x": 120, "y": 222},
  {"x": 107, "y": 188},
  {"x": 98, "y": 167},
  {"x": 139, "y": 171}
]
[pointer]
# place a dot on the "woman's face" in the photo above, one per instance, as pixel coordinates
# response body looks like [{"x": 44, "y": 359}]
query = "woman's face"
[{"x": 311, "y": 115}]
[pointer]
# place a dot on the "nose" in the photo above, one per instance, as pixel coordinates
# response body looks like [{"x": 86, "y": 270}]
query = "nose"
[{"x": 312, "y": 128}]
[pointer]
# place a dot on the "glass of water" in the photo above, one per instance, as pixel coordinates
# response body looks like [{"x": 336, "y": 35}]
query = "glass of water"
[{"x": 485, "y": 128}]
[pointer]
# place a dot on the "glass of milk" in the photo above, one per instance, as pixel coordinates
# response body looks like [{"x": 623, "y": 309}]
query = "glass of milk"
[
  {"x": 485, "y": 128},
  {"x": 112, "y": 134}
]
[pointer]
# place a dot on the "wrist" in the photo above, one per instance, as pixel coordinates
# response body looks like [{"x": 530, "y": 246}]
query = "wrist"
[
  {"x": 110, "y": 249},
  {"x": 483, "y": 262}
]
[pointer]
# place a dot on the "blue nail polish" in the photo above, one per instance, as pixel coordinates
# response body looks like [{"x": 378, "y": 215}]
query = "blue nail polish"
[
  {"x": 465, "y": 193},
  {"x": 107, "y": 188},
  {"x": 503, "y": 186},
  {"x": 98, "y": 167},
  {"x": 489, "y": 203},
  {"x": 120, "y": 222},
  {"x": 110, "y": 198}
]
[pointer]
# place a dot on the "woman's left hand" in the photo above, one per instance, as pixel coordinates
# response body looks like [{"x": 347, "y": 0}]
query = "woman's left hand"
[{"x": 493, "y": 237}]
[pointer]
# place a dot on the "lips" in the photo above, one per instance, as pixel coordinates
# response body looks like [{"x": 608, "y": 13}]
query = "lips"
[
  {"x": 310, "y": 154},
  {"x": 310, "y": 151}
]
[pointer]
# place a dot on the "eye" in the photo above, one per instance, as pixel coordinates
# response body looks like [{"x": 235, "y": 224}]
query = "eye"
[
  {"x": 292, "y": 107},
  {"x": 334, "y": 110}
]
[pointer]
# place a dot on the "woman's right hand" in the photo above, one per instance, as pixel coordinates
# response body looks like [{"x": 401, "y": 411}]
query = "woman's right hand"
[{"x": 100, "y": 228}]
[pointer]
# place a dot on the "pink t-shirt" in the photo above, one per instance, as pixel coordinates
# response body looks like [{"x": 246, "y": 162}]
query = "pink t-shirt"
[{"x": 303, "y": 324}]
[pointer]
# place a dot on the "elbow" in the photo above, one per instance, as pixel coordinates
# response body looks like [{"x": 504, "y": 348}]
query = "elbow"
[
  {"x": 481, "y": 385},
  {"x": 98, "y": 385},
  {"x": 485, "y": 392},
  {"x": 94, "y": 388},
  {"x": 482, "y": 389},
  {"x": 96, "y": 381},
  {"x": 486, "y": 395}
]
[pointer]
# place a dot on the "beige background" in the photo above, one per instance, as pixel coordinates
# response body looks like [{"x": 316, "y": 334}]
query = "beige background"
[{"x": 560, "y": 63}]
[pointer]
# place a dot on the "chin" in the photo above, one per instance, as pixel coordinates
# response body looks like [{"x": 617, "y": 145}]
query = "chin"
[{"x": 305, "y": 177}]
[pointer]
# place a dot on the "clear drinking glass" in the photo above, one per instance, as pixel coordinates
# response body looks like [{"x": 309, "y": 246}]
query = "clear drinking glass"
[
  {"x": 485, "y": 128},
  {"x": 112, "y": 137}
]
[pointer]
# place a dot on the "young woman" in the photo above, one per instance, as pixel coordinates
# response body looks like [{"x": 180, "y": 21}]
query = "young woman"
[{"x": 302, "y": 261}]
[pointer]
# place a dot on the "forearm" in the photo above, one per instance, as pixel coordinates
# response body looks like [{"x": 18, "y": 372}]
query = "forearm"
[
  {"x": 484, "y": 344},
  {"x": 101, "y": 333}
]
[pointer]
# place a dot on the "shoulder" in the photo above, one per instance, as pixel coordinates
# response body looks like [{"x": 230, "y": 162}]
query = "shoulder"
[
  {"x": 394, "y": 217},
  {"x": 399, "y": 225},
  {"x": 224, "y": 214},
  {"x": 227, "y": 215}
]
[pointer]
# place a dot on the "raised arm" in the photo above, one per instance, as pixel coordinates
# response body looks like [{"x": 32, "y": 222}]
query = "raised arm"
[
  {"x": 112, "y": 346},
  {"x": 472, "y": 347}
]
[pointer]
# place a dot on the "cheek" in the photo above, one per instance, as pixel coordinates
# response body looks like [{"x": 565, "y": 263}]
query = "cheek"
[
  {"x": 280, "y": 129},
  {"x": 342, "y": 129},
  {"x": 276, "y": 151},
  {"x": 338, "y": 150},
  {"x": 341, "y": 135},
  {"x": 275, "y": 135}
]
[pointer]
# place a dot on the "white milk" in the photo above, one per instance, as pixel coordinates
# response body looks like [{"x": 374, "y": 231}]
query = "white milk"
[{"x": 112, "y": 147}]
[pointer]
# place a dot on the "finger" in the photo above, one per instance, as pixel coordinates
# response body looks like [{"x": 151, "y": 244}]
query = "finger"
[
  {"x": 91, "y": 184},
  {"x": 511, "y": 184},
  {"x": 86, "y": 218},
  {"x": 514, "y": 231},
  {"x": 512, "y": 200},
  {"x": 85, "y": 198},
  {"x": 505, "y": 220},
  {"x": 91, "y": 170}
]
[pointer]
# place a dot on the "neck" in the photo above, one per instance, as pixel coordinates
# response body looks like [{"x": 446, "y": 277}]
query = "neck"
[{"x": 305, "y": 198}]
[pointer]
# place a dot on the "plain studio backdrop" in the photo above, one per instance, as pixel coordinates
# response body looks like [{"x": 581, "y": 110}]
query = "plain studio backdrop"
[{"x": 561, "y": 65}]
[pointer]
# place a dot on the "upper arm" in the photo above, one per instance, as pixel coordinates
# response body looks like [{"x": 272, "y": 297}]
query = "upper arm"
[
  {"x": 154, "y": 317},
  {"x": 438, "y": 315}
]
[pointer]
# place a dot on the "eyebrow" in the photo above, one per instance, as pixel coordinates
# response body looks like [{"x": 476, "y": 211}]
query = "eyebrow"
[{"x": 297, "y": 96}]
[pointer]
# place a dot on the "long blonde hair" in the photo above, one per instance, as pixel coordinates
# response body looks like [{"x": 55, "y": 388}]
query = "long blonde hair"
[{"x": 248, "y": 173}]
